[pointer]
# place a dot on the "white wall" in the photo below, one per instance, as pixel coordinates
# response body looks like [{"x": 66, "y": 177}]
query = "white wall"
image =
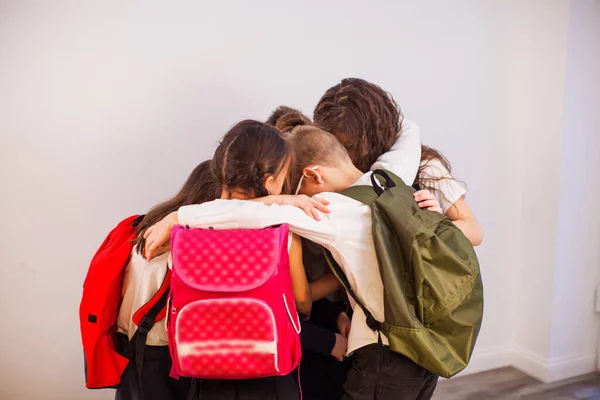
[
  {"x": 107, "y": 106},
  {"x": 557, "y": 330},
  {"x": 574, "y": 329},
  {"x": 543, "y": 55}
]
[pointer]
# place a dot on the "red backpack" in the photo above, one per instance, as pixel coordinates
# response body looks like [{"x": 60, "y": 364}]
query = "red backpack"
[{"x": 100, "y": 303}]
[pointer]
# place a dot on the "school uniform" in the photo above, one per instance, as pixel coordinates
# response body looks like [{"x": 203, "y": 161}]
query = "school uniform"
[
  {"x": 141, "y": 281},
  {"x": 321, "y": 376},
  {"x": 270, "y": 388},
  {"x": 273, "y": 388},
  {"x": 346, "y": 232},
  {"x": 447, "y": 190}
]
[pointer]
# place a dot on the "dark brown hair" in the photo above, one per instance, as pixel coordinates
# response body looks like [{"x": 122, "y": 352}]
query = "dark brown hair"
[
  {"x": 286, "y": 118},
  {"x": 429, "y": 154},
  {"x": 247, "y": 154},
  {"x": 365, "y": 119},
  {"x": 199, "y": 187}
]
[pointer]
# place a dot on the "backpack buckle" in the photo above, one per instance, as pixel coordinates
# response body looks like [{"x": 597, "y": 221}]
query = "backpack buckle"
[
  {"x": 372, "y": 323},
  {"x": 146, "y": 324}
]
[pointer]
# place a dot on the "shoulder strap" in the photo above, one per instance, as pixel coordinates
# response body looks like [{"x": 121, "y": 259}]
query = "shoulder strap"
[
  {"x": 390, "y": 179},
  {"x": 137, "y": 343},
  {"x": 365, "y": 194},
  {"x": 372, "y": 323},
  {"x": 380, "y": 181}
]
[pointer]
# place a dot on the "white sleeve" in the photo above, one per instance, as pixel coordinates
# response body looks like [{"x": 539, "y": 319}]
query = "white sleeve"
[
  {"x": 404, "y": 157},
  {"x": 240, "y": 214},
  {"x": 446, "y": 189}
]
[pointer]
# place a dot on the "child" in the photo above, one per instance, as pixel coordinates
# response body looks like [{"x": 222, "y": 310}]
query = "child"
[
  {"x": 286, "y": 118},
  {"x": 141, "y": 281},
  {"x": 324, "y": 164},
  {"x": 368, "y": 122},
  {"x": 324, "y": 337},
  {"x": 252, "y": 161}
]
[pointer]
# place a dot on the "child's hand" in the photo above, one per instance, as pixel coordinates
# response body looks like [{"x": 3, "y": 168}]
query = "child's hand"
[
  {"x": 343, "y": 324},
  {"x": 427, "y": 200},
  {"x": 340, "y": 348},
  {"x": 159, "y": 234},
  {"x": 310, "y": 205}
]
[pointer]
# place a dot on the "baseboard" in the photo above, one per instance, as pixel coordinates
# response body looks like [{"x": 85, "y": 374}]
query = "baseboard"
[
  {"x": 569, "y": 367},
  {"x": 555, "y": 369},
  {"x": 530, "y": 363}
]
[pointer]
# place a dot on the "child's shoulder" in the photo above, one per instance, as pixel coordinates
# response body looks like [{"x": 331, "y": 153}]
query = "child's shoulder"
[{"x": 433, "y": 168}]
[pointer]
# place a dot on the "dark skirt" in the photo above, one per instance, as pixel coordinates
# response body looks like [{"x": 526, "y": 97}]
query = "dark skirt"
[
  {"x": 158, "y": 385},
  {"x": 274, "y": 388},
  {"x": 155, "y": 377}
]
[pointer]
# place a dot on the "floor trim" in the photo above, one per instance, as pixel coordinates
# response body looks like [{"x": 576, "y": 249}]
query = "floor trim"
[{"x": 552, "y": 370}]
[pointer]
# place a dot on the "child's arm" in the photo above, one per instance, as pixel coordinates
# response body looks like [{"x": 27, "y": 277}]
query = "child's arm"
[
  {"x": 302, "y": 289},
  {"x": 463, "y": 218},
  {"x": 243, "y": 214},
  {"x": 310, "y": 205},
  {"x": 404, "y": 157},
  {"x": 451, "y": 197},
  {"x": 324, "y": 286}
]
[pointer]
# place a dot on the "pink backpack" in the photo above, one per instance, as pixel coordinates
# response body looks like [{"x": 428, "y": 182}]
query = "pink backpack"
[{"x": 232, "y": 313}]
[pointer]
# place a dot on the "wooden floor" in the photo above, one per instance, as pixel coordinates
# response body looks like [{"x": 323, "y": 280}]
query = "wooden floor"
[{"x": 509, "y": 383}]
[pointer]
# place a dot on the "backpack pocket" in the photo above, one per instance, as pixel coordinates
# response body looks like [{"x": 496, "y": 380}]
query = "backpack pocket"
[
  {"x": 226, "y": 339},
  {"x": 445, "y": 274}
]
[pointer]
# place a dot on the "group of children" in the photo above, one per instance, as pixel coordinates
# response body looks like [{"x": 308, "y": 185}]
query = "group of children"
[{"x": 289, "y": 170}]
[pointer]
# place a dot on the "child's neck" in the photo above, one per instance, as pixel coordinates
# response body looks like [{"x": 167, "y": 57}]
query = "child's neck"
[
  {"x": 236, "y": 195},
  {"x": 348, "y": 177}
]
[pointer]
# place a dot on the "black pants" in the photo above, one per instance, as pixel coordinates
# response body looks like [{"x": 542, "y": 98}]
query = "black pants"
[
  {"x": 399, "y": 377},
  {"x": 322, "y": 377},
  {"x": 155, "y": 376},
  {"x": 275, "y": 388}
]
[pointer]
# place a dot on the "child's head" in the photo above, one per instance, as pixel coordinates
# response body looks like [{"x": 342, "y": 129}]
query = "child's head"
[
  {"x": 286, "y": 118},
  {"x": 199, "y": 187},
  {"x": 363, "y": 117},
  {"x": 321, "y": 163},
  {"x": 251, "y": 161}
]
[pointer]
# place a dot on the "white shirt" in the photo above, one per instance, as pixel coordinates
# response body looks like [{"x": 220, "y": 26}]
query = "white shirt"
[
  {"x": 404, "y": 157},
  {"x": 345, "y": 231},
  {"x": 141, "y": 281},
  {"x": 447, "y": 190}
]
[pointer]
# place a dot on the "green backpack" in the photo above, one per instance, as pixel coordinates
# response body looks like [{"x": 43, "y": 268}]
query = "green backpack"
[{"x": 433, "y": 294}]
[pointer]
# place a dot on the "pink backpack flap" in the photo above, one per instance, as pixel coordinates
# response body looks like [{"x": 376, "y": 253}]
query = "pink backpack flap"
[{"x": 232, "y": 313}]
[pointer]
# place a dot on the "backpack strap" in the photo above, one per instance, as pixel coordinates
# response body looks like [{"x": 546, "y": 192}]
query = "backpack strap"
[
  {"x": 368, "y": 194},
  {"x": 137, "y": 343},
  {"x": 372, "y": 323},
  {"x": 363, "y": 193}
]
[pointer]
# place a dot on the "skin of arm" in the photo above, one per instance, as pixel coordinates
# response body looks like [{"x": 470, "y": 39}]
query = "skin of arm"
[
  {"x": 310, "y": 205},
  {"x": 300, "y": 285},
  {"x": 241, "y": 214},
  {"x": 463, "y": 218},
  {"x": 256, "y": 217},
  {"x": 324, "y": 286}
]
